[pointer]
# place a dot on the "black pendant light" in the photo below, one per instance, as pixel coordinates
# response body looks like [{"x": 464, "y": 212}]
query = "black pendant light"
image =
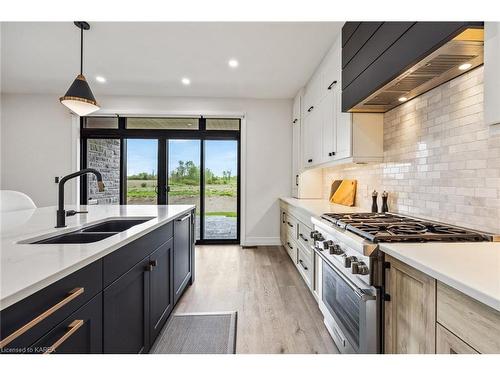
[{"x": 79, "y": 97}]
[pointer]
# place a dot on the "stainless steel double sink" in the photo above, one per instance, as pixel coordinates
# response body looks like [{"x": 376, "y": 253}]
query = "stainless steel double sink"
[{"x": 94, "y": 232}]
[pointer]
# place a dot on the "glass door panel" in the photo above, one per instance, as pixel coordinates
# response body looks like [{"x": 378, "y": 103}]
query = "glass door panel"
[
  {"x": 142, "y": 171},
  {"x": 184, "y": 174},
  {"x": 221, "y": 190}
]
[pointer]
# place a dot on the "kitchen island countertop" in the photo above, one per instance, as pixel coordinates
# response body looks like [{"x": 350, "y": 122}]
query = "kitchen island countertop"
[{"x": 28, "y": 268}]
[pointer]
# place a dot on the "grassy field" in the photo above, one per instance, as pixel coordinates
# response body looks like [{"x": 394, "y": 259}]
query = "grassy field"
[{"x": 220, "y": 198}]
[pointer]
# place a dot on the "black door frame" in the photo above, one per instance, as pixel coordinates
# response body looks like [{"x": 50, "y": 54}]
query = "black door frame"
[{"x": 163, "y": 136}]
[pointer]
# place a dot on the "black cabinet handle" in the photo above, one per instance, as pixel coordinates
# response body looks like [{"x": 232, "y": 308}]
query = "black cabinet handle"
[
  {"x": 283, "y": 218},
  {"x": 289, "y": 245},
  {"x": 294, "y": 121},
  {"x": 296, "y": 180},
  {"x": 332, "y": 84},
  {"x": 302, "y": 264},
  {"x": 310, "y": 108},
  {"x": 289, "y": 224},
  {"x": 303, "y": 237},
  {"x": 310, "y": 161}
]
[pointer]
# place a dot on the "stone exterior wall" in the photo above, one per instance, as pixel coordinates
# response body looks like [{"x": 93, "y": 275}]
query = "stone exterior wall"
[
  {"x": 104, "y": 155},
  {"x": 440, "y": 160}
]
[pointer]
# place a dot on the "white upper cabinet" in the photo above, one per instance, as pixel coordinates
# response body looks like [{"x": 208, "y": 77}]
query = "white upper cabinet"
[
  {"x": 492, "y": 73},
  {"x": 327, "y": 135}
]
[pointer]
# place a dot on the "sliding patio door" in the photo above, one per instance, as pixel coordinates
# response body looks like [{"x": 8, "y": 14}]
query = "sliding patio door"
[
  {"x": 147, "y": 161},
  {"x": 184, "y": 177}
]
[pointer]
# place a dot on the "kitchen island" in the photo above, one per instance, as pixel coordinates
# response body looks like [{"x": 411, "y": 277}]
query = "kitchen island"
[{"x": 125, "y": 285}]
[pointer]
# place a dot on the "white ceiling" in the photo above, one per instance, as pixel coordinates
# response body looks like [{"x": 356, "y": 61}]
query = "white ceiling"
[{"x": 137, "y": 58}]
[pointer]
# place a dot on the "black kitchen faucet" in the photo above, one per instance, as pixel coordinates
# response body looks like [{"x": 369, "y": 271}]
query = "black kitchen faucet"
[{"x": 61, "y": 213}]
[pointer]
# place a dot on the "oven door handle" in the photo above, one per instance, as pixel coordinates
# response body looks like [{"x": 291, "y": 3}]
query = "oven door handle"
[{"x": 363, "y": 294}]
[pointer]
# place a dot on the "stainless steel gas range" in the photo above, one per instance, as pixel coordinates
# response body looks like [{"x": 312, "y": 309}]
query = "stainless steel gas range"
[{"x": 351, "y": 270}]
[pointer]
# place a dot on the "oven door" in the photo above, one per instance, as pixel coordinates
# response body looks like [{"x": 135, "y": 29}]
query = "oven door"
[{"x": 352, "y": 314}]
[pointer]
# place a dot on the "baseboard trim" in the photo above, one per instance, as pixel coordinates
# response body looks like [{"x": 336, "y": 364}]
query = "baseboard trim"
[{"x": 262, "y": 241}]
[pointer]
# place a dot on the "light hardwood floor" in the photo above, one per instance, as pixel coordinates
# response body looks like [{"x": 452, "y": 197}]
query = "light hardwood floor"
[{"x": 276, "y": 311}]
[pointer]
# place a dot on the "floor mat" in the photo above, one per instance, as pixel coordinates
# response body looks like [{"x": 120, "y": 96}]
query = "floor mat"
[{"x": 201, "y": 333}]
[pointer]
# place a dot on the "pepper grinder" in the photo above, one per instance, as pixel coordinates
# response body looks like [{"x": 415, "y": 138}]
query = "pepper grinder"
[
  {"x": 385, "y": 207},
  {"x": 374, "y": 201}
]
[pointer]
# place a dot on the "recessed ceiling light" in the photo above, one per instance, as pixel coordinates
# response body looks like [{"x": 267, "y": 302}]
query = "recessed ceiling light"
[
  {"x": 465, "y": 66},
  {"x": 403, "y": 99},
  {"x": 233, "y": 63},
  {"x": 100, "y": 79},
  {"x": 186, "y": 81}
]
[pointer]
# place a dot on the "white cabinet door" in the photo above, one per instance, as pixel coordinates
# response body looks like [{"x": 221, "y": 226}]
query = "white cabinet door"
[
  {"x": 296, "y": 157},
  {"x": 306, "y": 140},
  {"x": 312, "y": 137},
  {"x": 491, "y": 73},
  {"x": 332, "y": 67},
  {"x": 328, "y": 124},
  {"x": 296, "y": 108},
  {"x": 343, "y": 126},
  {"x": 312, "y": 92}
]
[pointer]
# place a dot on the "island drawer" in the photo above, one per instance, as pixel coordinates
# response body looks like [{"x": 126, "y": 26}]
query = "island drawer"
[
  {"x": 80, "y": 333},
  {"x": 123, "y": 259},
  {"x": 26, "y": 321},
  {"x": 476, "y": 324}
]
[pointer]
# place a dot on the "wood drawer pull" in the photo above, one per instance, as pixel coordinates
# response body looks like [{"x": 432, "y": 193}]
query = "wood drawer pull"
[
  {"x": 14, "y": 335},
  {"x": 73, "y": 327}
]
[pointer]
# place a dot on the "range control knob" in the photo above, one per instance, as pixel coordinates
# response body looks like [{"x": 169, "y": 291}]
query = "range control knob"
[
  {"x": 349, "y": 260},
  {"x": 313, "y": 234},
  {"x": 359, "y": 268},
  {"x": 319, "y": 237},
  {"x": 336, "y": 250},
  {"x": 327, "y": 243}
]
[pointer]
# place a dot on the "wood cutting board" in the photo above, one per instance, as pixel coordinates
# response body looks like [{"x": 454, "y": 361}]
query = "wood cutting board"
[{"x": 343, "y": 192}]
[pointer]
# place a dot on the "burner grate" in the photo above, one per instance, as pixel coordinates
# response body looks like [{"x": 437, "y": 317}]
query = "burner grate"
[{"x": 388, "y": 227}]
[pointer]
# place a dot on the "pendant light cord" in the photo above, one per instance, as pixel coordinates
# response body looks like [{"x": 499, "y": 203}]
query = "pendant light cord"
[{"x": 81, "y": 50}]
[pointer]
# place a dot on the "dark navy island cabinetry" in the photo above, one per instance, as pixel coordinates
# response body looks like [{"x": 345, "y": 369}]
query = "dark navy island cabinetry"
[{"x": 117, "y": 304}]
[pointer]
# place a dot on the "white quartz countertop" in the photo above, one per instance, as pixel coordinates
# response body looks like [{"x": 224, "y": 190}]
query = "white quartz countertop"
[
  {"x": 317, "y": 207},
  {"x": 28, "y": 268},
  {"x": 472, "y": 268}
]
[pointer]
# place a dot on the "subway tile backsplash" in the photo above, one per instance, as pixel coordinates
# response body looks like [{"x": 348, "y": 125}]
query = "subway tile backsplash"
[{"x": 440, "y": 160}]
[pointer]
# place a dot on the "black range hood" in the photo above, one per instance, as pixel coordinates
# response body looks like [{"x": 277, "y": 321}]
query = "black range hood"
[{"x": 387, "y": 63}]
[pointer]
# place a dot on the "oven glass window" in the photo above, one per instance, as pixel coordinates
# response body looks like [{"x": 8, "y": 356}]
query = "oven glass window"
[{"x": 342, "y": 302}]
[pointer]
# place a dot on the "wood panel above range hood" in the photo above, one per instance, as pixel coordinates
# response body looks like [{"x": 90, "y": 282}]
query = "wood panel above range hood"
[{"x": 385, "y": 61}]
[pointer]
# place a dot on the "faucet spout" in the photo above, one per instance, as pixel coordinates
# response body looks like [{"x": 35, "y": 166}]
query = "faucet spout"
[{"x": 61, "y": 213}]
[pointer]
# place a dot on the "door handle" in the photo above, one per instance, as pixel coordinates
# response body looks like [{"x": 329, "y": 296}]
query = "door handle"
[
  {"x": 310, "y": 108},
  {"x": 73, "y": 327},
  {"x": 302, "y": 264},
  {"x": 71, "y": 296},
  {"x": 332, "y": 84},
  {"x": 184, "y": 218}
]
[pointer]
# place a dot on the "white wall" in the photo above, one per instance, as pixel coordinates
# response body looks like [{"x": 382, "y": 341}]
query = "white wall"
[
  {"x": 36, "y": 146},
  {"x": 37, "y": 138}
]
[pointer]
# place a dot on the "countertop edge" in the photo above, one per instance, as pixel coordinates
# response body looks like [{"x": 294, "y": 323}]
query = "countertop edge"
[
  {"x": 466, "y": 289},
  {"x": 15, "y": 297}
]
